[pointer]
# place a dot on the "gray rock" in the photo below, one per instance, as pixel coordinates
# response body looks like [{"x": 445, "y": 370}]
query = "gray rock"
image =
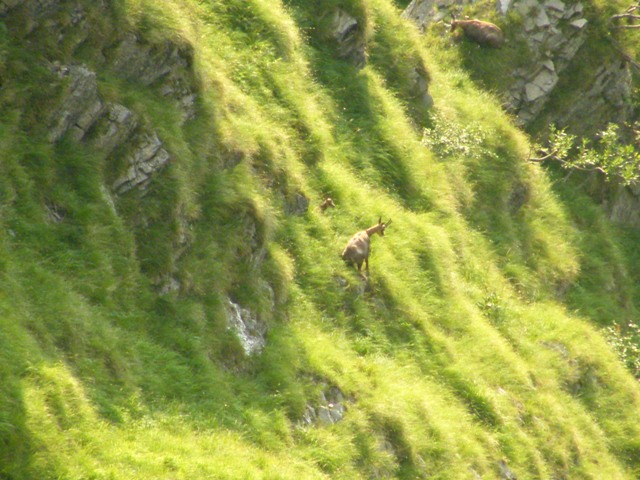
[
  {"x": 557, "y": 5},
  {"x": 80, "y": 106},
  {"x": 542, "y": 84},
  {"x": 502, "y": 6},
  {"x": 166, "y": 64},
  {"x": 624, "y": 205},
  {"x": 419, "y": 88},
  {"x": 607, "y": 99},
  {"x": 147, "y": 159},
  {"x": 114, "y": 128},
  {"x": 505, "y": 471},
  {"x": 424, "y": 12},
  {"x": 579, "y": 23},
  {"x": 249, "y": 330},
  {"x": 350, "y": 38},
  {"x": 169, "y": 284},
  {"x": 547, "y": 37},
  {"x": 329, "y": 410},
  {"x": 297, "y": 205},
  {"x": 55, "y": 212},
  {"x": 542, "y": 19}
]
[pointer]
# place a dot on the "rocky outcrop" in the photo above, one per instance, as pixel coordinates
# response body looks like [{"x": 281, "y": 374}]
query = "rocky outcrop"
[
  {"x": 623, "y": 205},
  {"x": 147, "y": 158},
  {"x": 296, "y": 204},
  {"x": 251, "y": 332},
  {"x": 349, "y": 35},
  {"x": 114, "y": 128},
  {"x": 81, "y": 109},
  {"x": 80, "y": 105},
  {"x": 419, "y": 87},
  {"x": 505, "y": 472},
  {"x": 328, "y": 410},
  {"x": 607, "y": 98},
  {"x": 80, "y": 112},
  {"x": 167, "y": 65},
  {"x": 425, "y": 12},
  {"x": 553, "y": 31}
]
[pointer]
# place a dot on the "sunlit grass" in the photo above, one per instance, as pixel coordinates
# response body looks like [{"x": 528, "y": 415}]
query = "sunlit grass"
[{"x": 456, "y": 354}]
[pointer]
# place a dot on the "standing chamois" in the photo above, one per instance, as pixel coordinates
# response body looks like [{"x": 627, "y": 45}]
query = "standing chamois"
[
  {"x": 483, "y": 33},
  {"x": 359, "y": 247}
]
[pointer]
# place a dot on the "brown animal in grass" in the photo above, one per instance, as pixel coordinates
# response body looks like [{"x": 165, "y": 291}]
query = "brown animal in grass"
[
  {"x": 359, "y": 247},
  {"x": 328, "y": 202},
  {"x": 483, "y": 33}
]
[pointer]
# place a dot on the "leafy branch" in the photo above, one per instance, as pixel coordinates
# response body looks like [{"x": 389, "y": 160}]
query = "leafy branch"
[
  {"x": 630, "y": 15},
  {"x": 617, "y": 161}
]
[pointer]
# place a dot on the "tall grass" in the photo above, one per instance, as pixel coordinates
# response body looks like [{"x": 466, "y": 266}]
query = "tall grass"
[{"x": 462, "y": 350}]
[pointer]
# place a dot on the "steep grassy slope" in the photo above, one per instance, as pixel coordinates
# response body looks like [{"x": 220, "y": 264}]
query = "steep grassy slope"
[{"x": 458, "y": 358}]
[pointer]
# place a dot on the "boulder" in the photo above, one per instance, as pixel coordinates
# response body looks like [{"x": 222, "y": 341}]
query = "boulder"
[{"x": 349, "y": 35}]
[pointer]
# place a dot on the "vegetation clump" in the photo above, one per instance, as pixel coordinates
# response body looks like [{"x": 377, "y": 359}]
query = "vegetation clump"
[{"x": 475, "y": 348}]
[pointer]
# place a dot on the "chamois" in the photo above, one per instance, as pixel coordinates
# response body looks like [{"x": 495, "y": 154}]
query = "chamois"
[
  {"x": 483, "y": 33},
  {"x": 328, "y": 202},
  {"x": 358, "y": 249}
]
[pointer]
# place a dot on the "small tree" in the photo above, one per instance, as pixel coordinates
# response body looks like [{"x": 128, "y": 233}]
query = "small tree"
[
  {"x": 618, "y": 161},
  {"x": 630, "y": 15}
]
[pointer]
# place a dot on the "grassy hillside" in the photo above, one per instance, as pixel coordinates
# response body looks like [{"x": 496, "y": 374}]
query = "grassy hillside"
[{"x": 474, "y": 349}]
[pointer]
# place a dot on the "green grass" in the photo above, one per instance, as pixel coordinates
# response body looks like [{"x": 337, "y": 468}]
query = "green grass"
[{"x": 475, "y": 340}]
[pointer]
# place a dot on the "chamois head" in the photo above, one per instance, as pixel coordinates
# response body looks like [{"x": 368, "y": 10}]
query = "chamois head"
[{"x": 380, "y": 227}]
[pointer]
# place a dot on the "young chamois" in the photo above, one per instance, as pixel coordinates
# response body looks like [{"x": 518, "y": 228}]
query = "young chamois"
[
  {"x": 328, "y": 202},
  {"x": 359, "y": 247},
  {"x": 483, "y": 33}
]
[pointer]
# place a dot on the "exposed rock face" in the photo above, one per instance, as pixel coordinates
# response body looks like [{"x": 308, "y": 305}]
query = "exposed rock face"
[
  {"x": 351, "y": 43},
  {"x": 82, "y": 109},
  {"x": 114, "y": 128},
  {"x": 248, "y": 328},
  {"x": 419, "y": 87},
  {"x": 330, "y": 408},
  {"x": 624, "y": 205},
  {"x": 554, "y": 31},
  {"x": 297, "y": 204},
  {"x": 148, "y": 157},
  {"x": 505, "y": 471},
  {"x": 608, "y": 98},
  {"x": 164, "y": 66},
  {"x": 424, "y": 12},
  {"x": 81, "y": 105}
]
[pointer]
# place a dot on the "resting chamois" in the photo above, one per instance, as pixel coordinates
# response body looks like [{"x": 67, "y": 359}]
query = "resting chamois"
[
  {"x": 483, "y": 33},
  {"x": 359, "y": 247},
  {"x": 328, "y": 202}
]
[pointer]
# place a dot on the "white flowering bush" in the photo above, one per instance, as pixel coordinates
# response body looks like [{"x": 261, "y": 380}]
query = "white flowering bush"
[{"x": 625, "y": 339}]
